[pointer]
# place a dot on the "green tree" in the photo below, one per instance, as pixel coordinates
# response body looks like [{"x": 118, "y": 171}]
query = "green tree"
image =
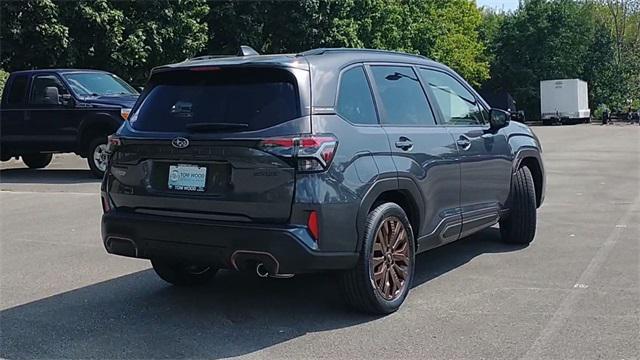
[
  {"x": 541, "y": 40},
  {"x": 447, "y": 31},
  {"x": 31, "y": 35}
]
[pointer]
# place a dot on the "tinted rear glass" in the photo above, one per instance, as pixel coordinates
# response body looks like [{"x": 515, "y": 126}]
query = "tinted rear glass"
[
  {"x": 253, "y": 98},
  {"x": 18, "y": 90}
]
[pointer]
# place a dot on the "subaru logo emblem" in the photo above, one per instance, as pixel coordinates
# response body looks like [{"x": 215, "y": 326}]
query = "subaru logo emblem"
[{"x": 180, "y": 143}]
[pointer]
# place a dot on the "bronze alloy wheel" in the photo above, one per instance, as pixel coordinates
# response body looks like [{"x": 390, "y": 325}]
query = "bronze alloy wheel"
[{"x": 390, "y": 261}]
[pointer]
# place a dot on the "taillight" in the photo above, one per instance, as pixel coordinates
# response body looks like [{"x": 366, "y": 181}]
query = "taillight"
[
  {"x": 113, "y": 142},
  {"x": 312, "y": 225},
  {"x": 312, "y": 153}
]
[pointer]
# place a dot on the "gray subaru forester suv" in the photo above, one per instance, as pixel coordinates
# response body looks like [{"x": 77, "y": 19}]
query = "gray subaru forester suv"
[{"x": 349, "y": 160}]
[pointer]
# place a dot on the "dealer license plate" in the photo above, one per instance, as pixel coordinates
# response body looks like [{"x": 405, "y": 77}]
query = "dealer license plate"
[{"x": 187, "y": 177}]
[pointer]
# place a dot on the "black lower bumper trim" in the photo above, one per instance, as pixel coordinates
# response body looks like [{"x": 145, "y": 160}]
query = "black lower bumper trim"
[{"x": 281, "y": 248}]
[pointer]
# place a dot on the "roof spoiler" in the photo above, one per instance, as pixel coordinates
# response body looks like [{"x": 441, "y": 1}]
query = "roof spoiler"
[{"x": 243, "y": 51}]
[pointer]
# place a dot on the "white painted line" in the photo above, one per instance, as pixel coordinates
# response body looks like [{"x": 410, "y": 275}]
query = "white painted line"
[
  {"x": 568, "y": 304},
  {"x": 5, "y": 191}
]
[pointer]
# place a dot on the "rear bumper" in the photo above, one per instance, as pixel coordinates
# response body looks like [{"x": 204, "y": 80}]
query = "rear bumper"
[{"x": 283, "y": 249}]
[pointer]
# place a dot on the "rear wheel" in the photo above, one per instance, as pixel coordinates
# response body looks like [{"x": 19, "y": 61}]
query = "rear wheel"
[
  {"x": 382, "y": 277},
  {"x": 183, "y": 274},
  {"x": 519, "y": 226},
  {"x": 37, "y": 161},
  {"x": 97, "y": 156}
]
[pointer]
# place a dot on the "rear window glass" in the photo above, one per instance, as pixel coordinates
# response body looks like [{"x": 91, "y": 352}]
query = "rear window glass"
[
  {"x": 240, "y": 99},
  {"x": 17, "y": 90}
]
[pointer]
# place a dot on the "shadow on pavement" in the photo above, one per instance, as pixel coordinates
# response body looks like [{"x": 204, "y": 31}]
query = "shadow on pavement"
[
  {"x": 46, "y": 176},
  {"x": 138, "y": 316}
]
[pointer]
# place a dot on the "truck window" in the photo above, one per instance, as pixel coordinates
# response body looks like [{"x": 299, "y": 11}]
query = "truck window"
[
  {"x": 18, "y": 90},
  {"x": 98, "y": 84},
  {"x": 41, "y": 90}
]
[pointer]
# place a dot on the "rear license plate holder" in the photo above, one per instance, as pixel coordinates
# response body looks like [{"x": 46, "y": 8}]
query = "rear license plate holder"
[{"x": 187, "y": 177}]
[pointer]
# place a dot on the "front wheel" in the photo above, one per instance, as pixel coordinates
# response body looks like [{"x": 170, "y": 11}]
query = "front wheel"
[
  {"x": 37, "y": 161},
  {"x": 382, "y": 277},
  {"x": 183, "y": 274},
  {"x": 519, "y": 227},
  {"x": 97, "y": 156}
]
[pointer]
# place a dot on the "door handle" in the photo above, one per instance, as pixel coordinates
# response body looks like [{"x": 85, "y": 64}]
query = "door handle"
[
  {"x": 404, "y": 143},
  {"x": 463, "y": 142}
]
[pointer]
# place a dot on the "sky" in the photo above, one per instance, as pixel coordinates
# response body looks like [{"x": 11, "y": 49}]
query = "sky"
[{"x": 506, "y": 5}]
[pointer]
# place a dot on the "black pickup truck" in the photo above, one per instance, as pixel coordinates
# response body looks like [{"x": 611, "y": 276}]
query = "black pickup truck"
[{"x": 60, "y": 111}]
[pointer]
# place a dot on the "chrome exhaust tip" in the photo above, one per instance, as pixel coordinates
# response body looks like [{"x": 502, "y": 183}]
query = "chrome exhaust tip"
[{"x": 261, "y": 270}]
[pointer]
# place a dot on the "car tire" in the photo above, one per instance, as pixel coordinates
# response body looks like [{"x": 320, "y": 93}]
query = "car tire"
[
  {"x": 97, "y": 157},
  {"x": 37, "y": 161},
  {"x": 182, "y": 274},
  {"x": 382, "y": 294},
  {"x": 519, "y": 227}
]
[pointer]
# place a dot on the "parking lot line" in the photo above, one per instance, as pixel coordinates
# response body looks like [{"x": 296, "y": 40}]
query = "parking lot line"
[{"x": 567, "y": 306}]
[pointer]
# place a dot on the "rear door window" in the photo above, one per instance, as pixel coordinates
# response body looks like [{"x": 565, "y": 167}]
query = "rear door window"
[
  {"x": 403, "y": 99},
  {"x": 230, "y": 100}
]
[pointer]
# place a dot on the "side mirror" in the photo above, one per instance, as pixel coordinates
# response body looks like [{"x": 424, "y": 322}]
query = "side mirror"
[
  {"x": 68, "y": 100},
  {"x": 498, "y": 118},
  {"x": 518, "y": 116},
  {"x": 51, "y": 95}
]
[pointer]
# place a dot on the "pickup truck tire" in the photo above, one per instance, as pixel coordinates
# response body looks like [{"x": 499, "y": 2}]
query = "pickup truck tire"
[
  {"x": 37, "y": 161},
  {"x": 181, "y": 274},
  {"x": 519, "y": 227},
  {"x": 381, "y": 279},
  {"x": 97, "y": 157}
]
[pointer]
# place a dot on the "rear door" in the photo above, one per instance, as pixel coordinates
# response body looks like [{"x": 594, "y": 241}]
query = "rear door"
[
  {"x": 422, "y": 151},
  {"x": 485, "y": 155},
  {"x": 214, "y": 144}
]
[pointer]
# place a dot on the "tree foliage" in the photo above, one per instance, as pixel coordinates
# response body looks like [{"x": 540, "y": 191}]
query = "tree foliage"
[
  {"x": 130, "y": 37},
  {"x": 559, "y": 39}
]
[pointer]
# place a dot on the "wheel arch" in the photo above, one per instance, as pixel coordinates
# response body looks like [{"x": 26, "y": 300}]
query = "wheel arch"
[
  {"x": 403, "y": 192},
  {"x": 532, "y": 160},
  {"x": 101, "y": 124}
]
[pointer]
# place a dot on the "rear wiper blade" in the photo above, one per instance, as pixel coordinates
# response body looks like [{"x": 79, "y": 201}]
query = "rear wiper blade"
[{"x": 207, "y": 126}]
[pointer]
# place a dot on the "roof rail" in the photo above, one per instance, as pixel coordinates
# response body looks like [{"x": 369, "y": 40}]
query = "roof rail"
[{"x": 321, "y": 51}]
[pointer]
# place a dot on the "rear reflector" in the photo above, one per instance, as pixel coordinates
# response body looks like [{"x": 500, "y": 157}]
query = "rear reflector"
[
  {"x": 312, "y": 224},
  {"x": 106, "y": 204}
]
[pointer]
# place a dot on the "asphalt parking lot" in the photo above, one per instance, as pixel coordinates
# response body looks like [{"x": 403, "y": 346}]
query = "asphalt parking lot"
[{"x": 573, "y": 293}]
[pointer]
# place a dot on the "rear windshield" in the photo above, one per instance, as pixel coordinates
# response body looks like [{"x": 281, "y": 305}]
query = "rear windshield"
[{"x": 240, "y": 99}]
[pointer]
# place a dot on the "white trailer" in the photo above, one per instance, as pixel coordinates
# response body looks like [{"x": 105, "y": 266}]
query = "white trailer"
[{"x": 564, "y": 101}]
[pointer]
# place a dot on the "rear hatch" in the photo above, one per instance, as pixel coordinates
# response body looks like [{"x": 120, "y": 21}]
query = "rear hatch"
[{"x": 200, "y": 145}]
